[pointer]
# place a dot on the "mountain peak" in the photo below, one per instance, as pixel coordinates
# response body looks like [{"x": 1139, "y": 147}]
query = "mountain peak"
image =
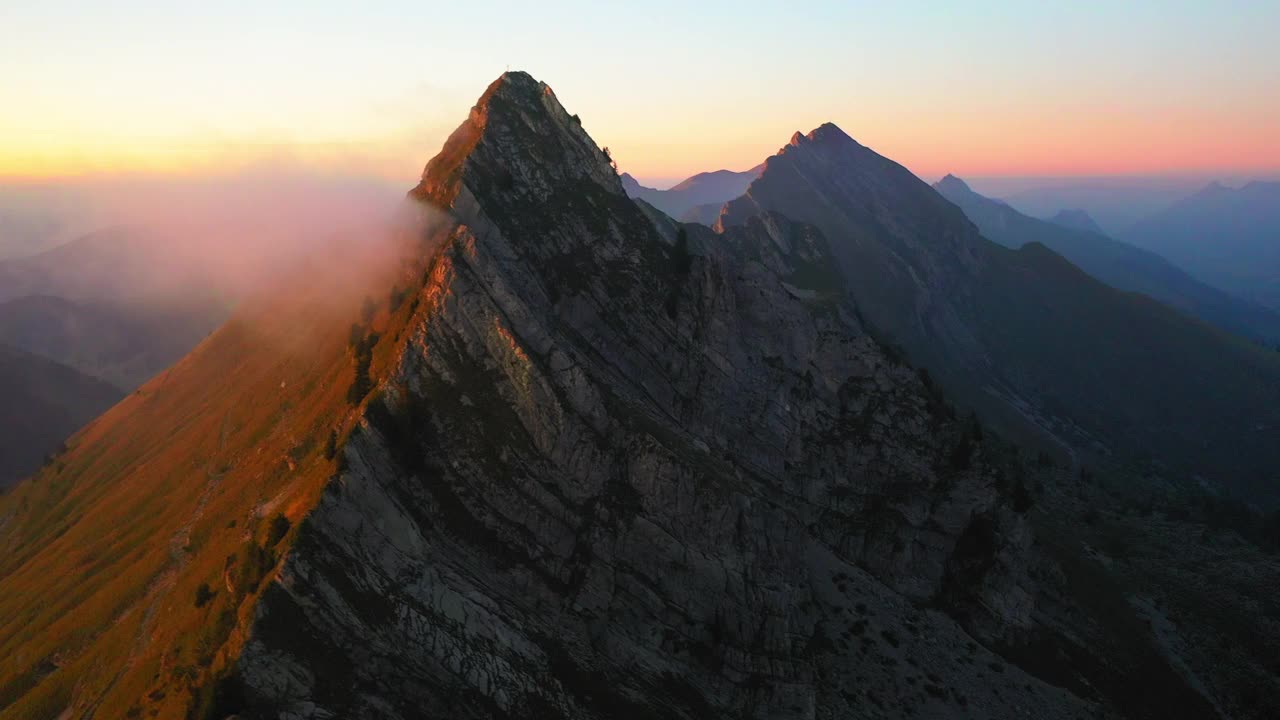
[
  {"x": 950, "y": 184},
  {"x": 511, "y": 85},
  {"x": 828, "y": 132},
  {"x": 517, "y": 139},
  {"x": 630, "y": 183}
]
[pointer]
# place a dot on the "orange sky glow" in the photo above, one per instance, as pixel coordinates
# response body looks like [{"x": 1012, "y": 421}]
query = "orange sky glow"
[{"x": 1168, "y": 88}]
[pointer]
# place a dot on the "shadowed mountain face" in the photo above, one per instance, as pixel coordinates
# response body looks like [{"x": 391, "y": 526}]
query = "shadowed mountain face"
[
  {"x": 1117, "y": 264},
  {"x": 43, "y": 403},
  {"x": 1023, "y": 335},
  {"x": 1229, "y": 238},
  {"x": 697, "y": 198},
  {"x": 572, "y": 459}
]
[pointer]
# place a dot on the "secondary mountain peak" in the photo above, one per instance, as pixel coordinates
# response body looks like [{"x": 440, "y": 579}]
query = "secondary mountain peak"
[
  {"x": 840, "y": 171},
  {"x": 1076, "y": 219},
  {"x": 950, "y": 184},
  {"x": 631, "y": 184},
  {"x": 714, "y": 177},
  {"x": 697, "y": 198}
]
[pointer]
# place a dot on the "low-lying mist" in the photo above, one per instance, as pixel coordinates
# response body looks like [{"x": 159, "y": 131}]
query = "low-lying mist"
[
  {"x": 159, "y": 238},
  {"x": 150, "y": 265}
]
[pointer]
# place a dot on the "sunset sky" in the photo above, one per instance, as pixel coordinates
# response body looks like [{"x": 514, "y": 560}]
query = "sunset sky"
[{"x": 373, "y": 88}]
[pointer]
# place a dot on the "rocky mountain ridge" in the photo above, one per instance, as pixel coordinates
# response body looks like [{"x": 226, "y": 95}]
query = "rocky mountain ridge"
[
  {"x": 577, "y": 460},
  {"x": 555, "y": 505}
]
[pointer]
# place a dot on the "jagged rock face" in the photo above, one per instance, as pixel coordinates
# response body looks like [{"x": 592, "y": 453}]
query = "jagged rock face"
[
  {"x": 909, "y": 254},
  {"x": 625, "y": 468}
]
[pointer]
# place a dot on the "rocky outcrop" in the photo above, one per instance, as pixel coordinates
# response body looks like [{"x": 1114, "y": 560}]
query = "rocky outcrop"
[{"x": 629, "y": 468}]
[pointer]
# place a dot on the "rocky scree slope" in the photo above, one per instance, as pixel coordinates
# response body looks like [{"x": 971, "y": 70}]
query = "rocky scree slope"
[{"x": 626, "y": 468}]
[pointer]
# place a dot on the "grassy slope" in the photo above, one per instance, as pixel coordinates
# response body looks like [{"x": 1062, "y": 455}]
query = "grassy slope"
[{"x": 101, "y": 555}]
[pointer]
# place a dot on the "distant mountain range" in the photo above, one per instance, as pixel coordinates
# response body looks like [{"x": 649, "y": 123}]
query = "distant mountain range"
[
  {"x": 1115, "y": 263},
  {"x": 126, "y": 265},
  {"x": 87, "y": 322},
  {"x": 122, "y": 345},
  {"x": 43, "y": 403},
  {"x": 697, "y": 198},
  {"x": 35, "y": 217},
  {"x": 1115, "y": 204},
  {"x": 1229, "y": 238},
  {"x": 119, "y": 304}
]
